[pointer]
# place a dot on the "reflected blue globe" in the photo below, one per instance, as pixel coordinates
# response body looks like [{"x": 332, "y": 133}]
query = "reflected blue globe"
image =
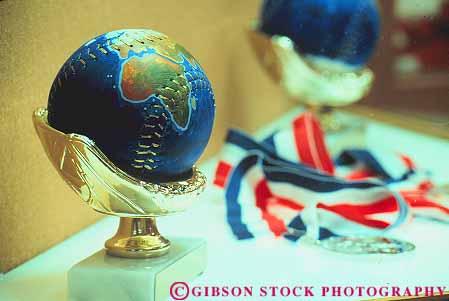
[
  {"x": 142, "y": 98},
  {"x": 344, "y": 30}
]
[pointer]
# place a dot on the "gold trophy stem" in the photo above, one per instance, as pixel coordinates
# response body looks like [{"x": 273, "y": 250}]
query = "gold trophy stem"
[
  {"x": 329, "y": 123},
  {"x": 137, "y": 238}
]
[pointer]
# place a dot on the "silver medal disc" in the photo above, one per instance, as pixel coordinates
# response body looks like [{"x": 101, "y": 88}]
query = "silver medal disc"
[{"x": 366, "y": 245}]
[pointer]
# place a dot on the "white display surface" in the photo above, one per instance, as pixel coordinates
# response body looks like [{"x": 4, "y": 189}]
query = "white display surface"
[{"x": 267, "y": 261}]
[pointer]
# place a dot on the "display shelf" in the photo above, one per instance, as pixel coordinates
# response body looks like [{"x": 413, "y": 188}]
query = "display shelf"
[{"x": 278, "y": 261}]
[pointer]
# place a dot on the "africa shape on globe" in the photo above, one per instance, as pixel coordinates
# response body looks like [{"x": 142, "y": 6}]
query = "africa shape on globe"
[{"x": 143, "y": 100}]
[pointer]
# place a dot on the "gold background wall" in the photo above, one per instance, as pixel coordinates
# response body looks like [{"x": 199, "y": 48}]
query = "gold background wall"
[{"x": 37, "y": 209}]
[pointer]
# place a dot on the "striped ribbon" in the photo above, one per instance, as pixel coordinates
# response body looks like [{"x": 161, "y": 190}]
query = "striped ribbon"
[{"x": 287, "y": 185}]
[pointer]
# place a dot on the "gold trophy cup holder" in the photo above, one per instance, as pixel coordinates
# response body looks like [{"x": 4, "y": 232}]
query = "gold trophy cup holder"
[
  {"x": 109, "y": 190},
  {"x": 318, "y": 83}
]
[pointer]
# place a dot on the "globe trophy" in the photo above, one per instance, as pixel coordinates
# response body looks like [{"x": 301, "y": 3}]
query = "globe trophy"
[
  {"x": 129, "y": 114},
  {"x": 316, "y": 50}
]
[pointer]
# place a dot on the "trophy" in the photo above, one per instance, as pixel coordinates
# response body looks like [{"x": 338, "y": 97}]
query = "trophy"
[
  {"x": 317, "y": 51},
  {"x": 129, "y": 114}
]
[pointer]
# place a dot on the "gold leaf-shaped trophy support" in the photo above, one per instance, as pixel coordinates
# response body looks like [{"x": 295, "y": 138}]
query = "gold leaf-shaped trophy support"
[
  {"x": 109, "y": 190},
  {"x": 318, "y": 83},
  {"x": 311, "y": 81}
]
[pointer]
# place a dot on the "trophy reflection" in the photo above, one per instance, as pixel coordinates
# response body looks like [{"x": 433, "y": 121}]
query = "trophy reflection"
[
  {"x": 128, "y": 115},
  {"x": 317, "y": 51}
]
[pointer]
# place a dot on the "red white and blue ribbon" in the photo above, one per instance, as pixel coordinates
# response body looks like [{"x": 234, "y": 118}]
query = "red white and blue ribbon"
[{"x": 288, "y": 185}]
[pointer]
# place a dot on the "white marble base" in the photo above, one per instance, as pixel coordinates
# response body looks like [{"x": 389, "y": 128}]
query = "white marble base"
[{"x": 101, "y": 277}]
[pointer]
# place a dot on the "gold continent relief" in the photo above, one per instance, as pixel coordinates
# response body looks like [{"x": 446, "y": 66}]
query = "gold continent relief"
[
  {"x": 142, "y": 40},
  {"x": 156, "y": 73},
  {"x": 153, "y": 74}
]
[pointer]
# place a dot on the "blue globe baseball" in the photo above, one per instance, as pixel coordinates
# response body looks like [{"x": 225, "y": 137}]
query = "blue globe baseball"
[
  {"x": 343, "y": 30},
  {"x": 142, "y": 98}
]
